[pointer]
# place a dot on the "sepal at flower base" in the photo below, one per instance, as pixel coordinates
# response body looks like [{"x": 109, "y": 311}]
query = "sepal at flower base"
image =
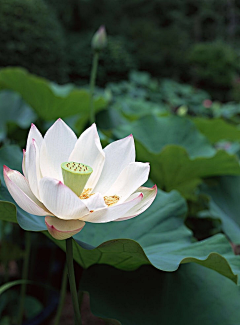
[{"x": 63, "y": 229}]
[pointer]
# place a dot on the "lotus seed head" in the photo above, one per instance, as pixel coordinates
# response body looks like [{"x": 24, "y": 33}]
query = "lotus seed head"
[{"x": 77, "y": 168}]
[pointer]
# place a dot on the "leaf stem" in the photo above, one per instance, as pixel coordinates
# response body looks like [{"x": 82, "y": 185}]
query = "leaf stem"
[
  {"x": 62, "y": 296},
  {"x": 24, "y": 275},
  {"x": 92, "y": 85},
  {"x": 72, "y": 282}
]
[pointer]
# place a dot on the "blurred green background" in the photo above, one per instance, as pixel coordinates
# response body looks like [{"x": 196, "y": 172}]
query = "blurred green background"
[
  {"x": 170, "y": 75},
  {"x": 191, "y": 41}
]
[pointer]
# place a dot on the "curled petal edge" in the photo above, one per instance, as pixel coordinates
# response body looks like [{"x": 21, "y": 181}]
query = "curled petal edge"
[
  {"x": 19, "y": 189},
  {"x": 114, "y": 212},
  {"x": 149, "y": 195}
]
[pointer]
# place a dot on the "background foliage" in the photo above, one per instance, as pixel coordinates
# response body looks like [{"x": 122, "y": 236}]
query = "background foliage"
[
  {"x": 178, "y": 40},
  {"x": 183, "y": 110}
]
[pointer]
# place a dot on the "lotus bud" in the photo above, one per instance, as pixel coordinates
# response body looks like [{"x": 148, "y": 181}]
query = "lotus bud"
[
  {"x": 75, "y": 176},
  {"x": 182, "y": 110},
  {"x": 99, "y": 40}
]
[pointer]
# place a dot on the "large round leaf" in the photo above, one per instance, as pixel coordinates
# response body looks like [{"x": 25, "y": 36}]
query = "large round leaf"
[
  {"x": 172, "y": 168},
  {"x": 217, "y": 129},
  {"x": 178, "y": 154},
  {"x": 12, "y": 157},
  {"x": 154, "y": 133},
  {"x": 14, "y": 109},
  {"x": 49, "y": 100},
  {"x": 158, "y": 237},
  {"x": 224, "y": 204},
  {"x": 193, "y": 295}
]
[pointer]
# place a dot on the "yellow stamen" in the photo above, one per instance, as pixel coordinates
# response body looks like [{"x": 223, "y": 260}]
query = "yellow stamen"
[
  {"x": 109, "y": 200},
  {"x": 86, "y": 194}
]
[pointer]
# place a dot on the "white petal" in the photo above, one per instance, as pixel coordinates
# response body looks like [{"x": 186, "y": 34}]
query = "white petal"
[
  {"x": 56, "y": 148},
  {"x": 36, "y": 135},
  {"x": 88, "y": 150},
  {"x": 62, "y": 229},
  {"x": 24, "y": 162},
  {"x": 118, "y": 155},
  {"x": 19, "y": 189},
  {"x": 34, "y": 174},
  {"x": 149, "y": 195},
  {"x": 60, "y": 200},
  {"x": 129, "y": 180},
  {"x": 95, "y": 202},
  {"x": 113, "y": 212}
]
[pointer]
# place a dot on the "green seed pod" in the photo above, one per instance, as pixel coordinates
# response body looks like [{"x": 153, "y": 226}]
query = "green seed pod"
[{"x": 76, "y": 175}]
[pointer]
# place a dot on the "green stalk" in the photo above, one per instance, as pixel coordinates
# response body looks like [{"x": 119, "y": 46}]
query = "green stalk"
[
  {"x": 62, "y": 296},
  {"x": 92, "y": 85},
  {"x": 72, "y": 282},
  {"x": 24, "y": 275}
]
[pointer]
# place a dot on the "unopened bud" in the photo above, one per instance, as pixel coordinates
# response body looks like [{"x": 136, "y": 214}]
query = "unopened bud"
[
  {"x": 99, "y": 40},
  {"x": 182, "y": 110}
]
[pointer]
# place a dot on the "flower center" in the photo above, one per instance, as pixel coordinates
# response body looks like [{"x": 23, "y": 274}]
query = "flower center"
[
  {"x": 76, "y": 175},
  {"x": 109, "y": 200}
]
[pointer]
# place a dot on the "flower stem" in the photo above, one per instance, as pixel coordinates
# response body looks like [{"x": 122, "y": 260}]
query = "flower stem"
[
  {"x": 92, "y": 85},
  {"x": 72, "y": 282},
  {"x": 62, "y": 296},
  {"x": 24, "y": 275}
]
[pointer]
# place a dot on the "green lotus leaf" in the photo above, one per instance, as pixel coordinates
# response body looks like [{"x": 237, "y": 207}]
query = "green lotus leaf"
[
  {"x": 155, "y": 133},
  {"x": 224, "y": 204},
  {"x": 193, "y": 295},
  {"x": 217, "y": 129},
  {"x": 158, "y": 237},
  {"x": 172, "y": 168},
  {"x": 50, "y": 101},
  {"x": 180, "y": 157}
]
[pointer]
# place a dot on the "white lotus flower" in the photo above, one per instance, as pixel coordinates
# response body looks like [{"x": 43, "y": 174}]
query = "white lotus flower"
[{"x": 113, "y": 191}]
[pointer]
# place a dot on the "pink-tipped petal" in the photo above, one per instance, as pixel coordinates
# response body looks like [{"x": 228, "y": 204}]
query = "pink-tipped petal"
[
  {"x": 62, "y": 229},
  {"x": 149, "y": 195},
  {"x": 36, "y": 135},
  {"x": 56, "y": 148},
  {"x": 118, "y": 155},
  {"x": 113, "y": 212},
  {"x": 19, "y": 188},
  {"x": 88, "y": 150},
  {"x": 60, "y": 200},
  {"x": 129, "y": 180}
]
